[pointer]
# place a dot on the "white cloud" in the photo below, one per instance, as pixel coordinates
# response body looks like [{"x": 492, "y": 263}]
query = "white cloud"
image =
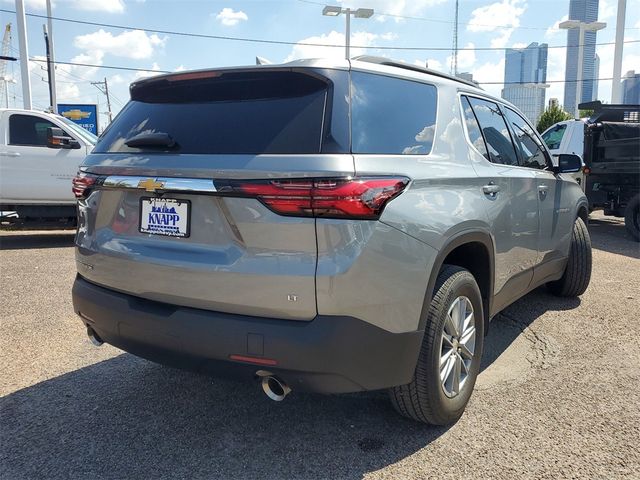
[
  {"x": 134, "y": 44},
  {"x": 179, "y": 68},
  {"x": 607, "y": 9},
  {"x": 554, "y": 29},
  {"x": 359, "y": 39},
  {"x": 396, "y": 7},
  {"x": 496, "y": 16},
  {"x": 148, "y": 73},
  {"x": 466, "y": 58},
  {"x": 228, "y": 17},
  {"x": 29, "y": 4},
  {"x": 490, "y": 72}
]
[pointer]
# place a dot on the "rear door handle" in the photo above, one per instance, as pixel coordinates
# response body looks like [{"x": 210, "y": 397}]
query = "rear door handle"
[
  {"x": 491, "y": 189},
  {"x": 9, "y": 154}
]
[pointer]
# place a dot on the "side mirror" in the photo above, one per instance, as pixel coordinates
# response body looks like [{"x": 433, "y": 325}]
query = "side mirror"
[
  {"x": 56, "y": 138},
  {"x": 568, "y": 163}
]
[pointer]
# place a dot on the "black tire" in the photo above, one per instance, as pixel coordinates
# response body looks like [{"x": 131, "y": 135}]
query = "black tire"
[
  {"x": 632, "y": 218},
  {"x": 424, "y": 399},
  {"x": 577, "y": 273}
]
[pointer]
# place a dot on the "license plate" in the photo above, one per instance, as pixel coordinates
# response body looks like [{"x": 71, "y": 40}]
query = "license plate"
[{"x": 165, "y": 216}]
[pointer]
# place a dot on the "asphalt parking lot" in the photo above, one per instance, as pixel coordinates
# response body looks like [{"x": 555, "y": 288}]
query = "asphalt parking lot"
[{"x": 558, "y": 396}]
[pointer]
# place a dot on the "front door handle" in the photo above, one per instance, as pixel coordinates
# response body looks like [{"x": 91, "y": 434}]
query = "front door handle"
[
  {"x": 9, "y": 154},
  {"x": 542, "y": 190},
  {"x": 491, "y": 189}
]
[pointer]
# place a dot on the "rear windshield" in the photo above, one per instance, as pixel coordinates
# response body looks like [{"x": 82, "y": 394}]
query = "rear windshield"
[{"x": 232, "y": 113}]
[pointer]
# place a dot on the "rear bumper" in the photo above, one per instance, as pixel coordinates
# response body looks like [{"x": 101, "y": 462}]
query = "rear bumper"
[{"x": 329, "y": 354}]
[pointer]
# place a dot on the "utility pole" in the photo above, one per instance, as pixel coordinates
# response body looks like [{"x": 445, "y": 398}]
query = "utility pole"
[
  {"x": 454, "y": 54},
  {"x": 104, "y": 88},
  {"x": 616, "y": 87},
  {"x": 52, "y": 58},
  {"x": 24, "y": 54},
  {"x": 47, "y": 45}
]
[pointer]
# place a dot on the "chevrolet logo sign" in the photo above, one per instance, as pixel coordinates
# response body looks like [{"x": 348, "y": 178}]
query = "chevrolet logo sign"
[
  {"x": 150, "y": 185},
  {"x": 76, "y": 114}
]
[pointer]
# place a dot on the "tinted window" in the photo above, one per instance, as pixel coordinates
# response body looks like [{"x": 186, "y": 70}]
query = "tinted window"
[
  {"x": 531, "y": 153},
  {"x": 28, "y": 130},
  {"x": 553, "y": 137},
  {"x": 229, "y": 113},
  {"x": 391, "y": 116},
  {"x": 495, "y": 131},
  {"x": 473, "y": 129}
]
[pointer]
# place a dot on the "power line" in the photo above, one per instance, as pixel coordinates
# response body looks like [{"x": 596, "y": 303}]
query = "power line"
[
  {"x": 436, "y": 20},
  {"x": 282, "y": 42}
]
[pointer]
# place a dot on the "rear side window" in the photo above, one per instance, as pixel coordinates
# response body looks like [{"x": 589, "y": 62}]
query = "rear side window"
[
  {"x": 391, "y": 116},
  {"x": 473, "y": 129},
  {"x": 553, "y": 137},
  {"x": 531, "y": 153},
  {"x": 28, "y": 130},
  {"x": 494, "y": 129},
  {"x": 276, "y": 112}
]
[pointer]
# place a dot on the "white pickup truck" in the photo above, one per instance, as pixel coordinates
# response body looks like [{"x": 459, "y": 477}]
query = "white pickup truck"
[
  {"x": 567, "y": 137},
  {"x": 39, "y": 156}
]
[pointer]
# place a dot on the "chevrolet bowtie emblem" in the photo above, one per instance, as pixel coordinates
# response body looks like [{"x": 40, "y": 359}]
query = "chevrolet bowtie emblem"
[{"x": 150, "y": 185}]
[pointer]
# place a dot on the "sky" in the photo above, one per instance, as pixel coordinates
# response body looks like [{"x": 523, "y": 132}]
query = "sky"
[{"x": 397, "y": 23}]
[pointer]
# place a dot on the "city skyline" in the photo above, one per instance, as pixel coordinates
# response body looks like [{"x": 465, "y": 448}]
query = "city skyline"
[{"x": 525, "y": 77}]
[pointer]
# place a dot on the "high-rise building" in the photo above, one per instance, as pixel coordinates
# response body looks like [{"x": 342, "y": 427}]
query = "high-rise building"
[
  {"x": 631, "y": 88},
  {"x": 525, "y": 76},
  {"x": 583, "y": 11},
  {"x": 467, "y": 76}
]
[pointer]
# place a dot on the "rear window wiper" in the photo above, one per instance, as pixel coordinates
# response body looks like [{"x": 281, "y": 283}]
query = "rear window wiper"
[{"x": 156, "y": 139}]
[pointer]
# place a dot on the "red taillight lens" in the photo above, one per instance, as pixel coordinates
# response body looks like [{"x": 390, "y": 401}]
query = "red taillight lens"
[
  {"x": 363, "y": 198},
  {"x": 82, "y": 183}
]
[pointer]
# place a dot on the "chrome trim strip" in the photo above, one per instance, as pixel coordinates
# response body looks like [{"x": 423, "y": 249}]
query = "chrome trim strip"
[{"x": 169, "y": 184}]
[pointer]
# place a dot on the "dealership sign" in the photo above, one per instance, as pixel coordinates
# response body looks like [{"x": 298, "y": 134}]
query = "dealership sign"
[{"x": 84, "y": 115}]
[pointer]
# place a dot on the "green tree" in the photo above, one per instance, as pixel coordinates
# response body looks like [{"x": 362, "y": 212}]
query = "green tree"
[{"x": 552, "y": 115}]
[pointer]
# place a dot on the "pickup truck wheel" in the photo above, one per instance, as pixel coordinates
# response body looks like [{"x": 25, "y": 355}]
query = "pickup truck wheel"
[
  {"x": 449, "y": 359},
  {"x": 632, "y": 218},
  {"x": 577, "y": 273}
]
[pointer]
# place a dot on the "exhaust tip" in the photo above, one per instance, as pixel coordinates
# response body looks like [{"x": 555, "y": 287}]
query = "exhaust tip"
[
  {"x": 275, "y": 388},
  {"x": 94, "y": 337}
]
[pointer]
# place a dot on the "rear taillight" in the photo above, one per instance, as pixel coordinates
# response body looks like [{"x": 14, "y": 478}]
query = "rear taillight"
[
  {"x": 362, "y": 198},
  {"x": 82, "y": 183}
]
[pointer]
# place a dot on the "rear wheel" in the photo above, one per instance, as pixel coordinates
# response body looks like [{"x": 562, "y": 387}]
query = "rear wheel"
[
  {"x": 449, "y": 360},
  {"x": 577, "y": 273},
  {"x": 632, "y": 218}
]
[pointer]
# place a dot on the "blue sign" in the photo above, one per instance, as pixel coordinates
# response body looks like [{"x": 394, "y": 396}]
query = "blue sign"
[{"x": 84, "y": 115}]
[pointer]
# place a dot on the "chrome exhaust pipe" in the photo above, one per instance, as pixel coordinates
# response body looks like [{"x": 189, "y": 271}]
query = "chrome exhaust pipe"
[
  {"x": 94, "y": 337},
  {"x": 275, "y": 388}
]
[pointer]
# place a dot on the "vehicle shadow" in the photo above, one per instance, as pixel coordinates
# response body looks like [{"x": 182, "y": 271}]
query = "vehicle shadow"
[
  {"x": 610, "y": 235},
  {"x": 129, "y": 418},
  {"x": 21, "y": 241},
  {"x": 510, "y": 324}
]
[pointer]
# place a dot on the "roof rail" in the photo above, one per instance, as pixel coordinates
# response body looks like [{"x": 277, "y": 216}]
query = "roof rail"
[{"x": 408, "y": 66}]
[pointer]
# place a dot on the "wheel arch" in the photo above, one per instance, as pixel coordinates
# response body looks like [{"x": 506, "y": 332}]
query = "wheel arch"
[{"x": 474, "y": 251}]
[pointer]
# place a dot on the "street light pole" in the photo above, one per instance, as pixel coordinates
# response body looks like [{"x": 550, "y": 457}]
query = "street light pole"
[
  {"x": 24, "y": 54},
  {"x": 332, "y": 11},
  {"x": 582, "y": 27},
  {"x": 616, "y": 87}
]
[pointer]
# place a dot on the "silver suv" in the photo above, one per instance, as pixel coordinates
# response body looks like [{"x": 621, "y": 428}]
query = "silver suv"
[{"x": 322, "y": 226}]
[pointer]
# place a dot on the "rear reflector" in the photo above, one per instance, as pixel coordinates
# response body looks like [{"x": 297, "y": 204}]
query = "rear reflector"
[
  {"x": 255, "y": 360},
  {"x": 361, "y": 198},
  {"x": 82, "y": 183}
]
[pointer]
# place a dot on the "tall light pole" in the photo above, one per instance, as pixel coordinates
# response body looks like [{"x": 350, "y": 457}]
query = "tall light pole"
[
  {"x": 616, "y": 87},
  {"x": 24, "y": 54},
  {"x": 332, "y": 11},
  {"x": 583, "y": 27},
  {"x": 52, "y": 60}
]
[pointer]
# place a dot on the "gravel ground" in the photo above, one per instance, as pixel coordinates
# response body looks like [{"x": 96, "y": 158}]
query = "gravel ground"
[{"x": 558, "y": 396}]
